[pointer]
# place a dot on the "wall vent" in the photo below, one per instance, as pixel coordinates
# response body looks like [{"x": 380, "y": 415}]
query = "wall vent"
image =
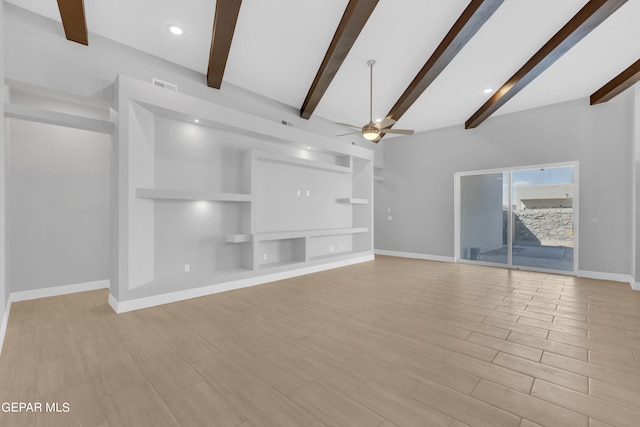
[
  {"x": 165, "y": 85},
  {"x": 286, "y": 123}
]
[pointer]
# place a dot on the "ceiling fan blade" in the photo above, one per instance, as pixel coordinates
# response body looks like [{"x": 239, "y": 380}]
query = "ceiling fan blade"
[
  {"x": 385, "y": 123},
  {"x": 398, "y": 131},
  {"x": 348, "y": 125},
  {"x": 350, "y": 133}
]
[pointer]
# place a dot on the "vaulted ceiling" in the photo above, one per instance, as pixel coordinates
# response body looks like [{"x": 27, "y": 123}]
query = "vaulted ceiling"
[{"x": 434, "y": 58}]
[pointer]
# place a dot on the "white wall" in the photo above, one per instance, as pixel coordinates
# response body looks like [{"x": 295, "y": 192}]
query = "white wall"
[
  {"x": 419, "y": 172},
  {"x": 57, "y": 205},
  {"x": 4, "y": 288},
  {"x": 635, "y": 160}
]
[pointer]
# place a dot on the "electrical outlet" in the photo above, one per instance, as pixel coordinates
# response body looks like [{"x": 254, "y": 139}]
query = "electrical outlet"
[
  {"x": 332, "y": 248},
  {"x": 390, "y": 218},
  {"x": 308, "y": 193},
  {"x": 340, "y": 248},
  {"x": 298, "y": 193},
  {"x": 187, "y": 268},
  {"x": 264, "y": 257}
]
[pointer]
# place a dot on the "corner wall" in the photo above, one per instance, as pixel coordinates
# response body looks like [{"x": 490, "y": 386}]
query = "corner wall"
[
  {"x": 635, "y": 196},
  {"x": 4, "y": 288},
  {"x": 419, "y": 176}
]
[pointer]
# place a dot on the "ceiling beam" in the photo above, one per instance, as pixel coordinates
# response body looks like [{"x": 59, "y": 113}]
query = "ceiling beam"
[
  {"x": 224, "y": 24},
  {"x": 467, "y": 25},
  {"x": 353, "y": 20},
  {"x": 618, "y": 84},
  {"x": 588, "y": 18},
  {"x": 74, "y": 21}
]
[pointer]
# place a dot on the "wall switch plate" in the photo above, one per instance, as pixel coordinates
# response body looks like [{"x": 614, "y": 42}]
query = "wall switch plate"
[
  {"x": 308, "y": 193},
  {"x": 187, "y": 268},
  {"x": 264, "y": 257},
  {"x": 332, "y": 248},
  {"x": 390, "y": 218},
  {"x": 298, "y": 193}
]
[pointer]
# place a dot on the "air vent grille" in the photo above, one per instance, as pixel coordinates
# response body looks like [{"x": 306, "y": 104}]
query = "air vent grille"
[{"x": 165, "y": 85}]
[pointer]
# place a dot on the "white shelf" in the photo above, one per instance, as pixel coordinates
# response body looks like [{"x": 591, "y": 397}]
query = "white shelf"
[
  {"x": 273, "y": 157},
  {"x": 149, "y": 193},
  {"x": 280, "y": 235},
  {"x": 237, "y": 238},
  {"x": 354, "y": 201},
  {"x": 40, "y": 115}
]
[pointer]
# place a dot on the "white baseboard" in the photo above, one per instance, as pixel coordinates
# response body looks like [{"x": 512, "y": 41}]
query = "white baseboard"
[
  {"x": 152, "y": 301},
  {"x": 635, "y": 285},
  {"x": 415, "y": 255},
  {"x": 58, "y": 290},
  {"x": 614, "y": 277},
  {"x": 5, "y": 322}
]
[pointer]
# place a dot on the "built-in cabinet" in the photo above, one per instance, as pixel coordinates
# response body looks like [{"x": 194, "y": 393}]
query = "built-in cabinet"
[{"x": 203, "y": 202}]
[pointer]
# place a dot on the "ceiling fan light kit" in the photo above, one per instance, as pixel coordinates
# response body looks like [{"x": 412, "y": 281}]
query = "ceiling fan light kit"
[
  {"x": 374, "y": 131},
  {"x": 370, "y": 132}
]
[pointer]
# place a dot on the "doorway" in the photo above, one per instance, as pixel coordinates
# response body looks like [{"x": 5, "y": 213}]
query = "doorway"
[{"x": 519, "y": 217}]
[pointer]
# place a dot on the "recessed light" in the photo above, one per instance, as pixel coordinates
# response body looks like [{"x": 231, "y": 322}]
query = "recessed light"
[
  {"x": 488, "y": 90},
  {"x": 197, "y": 121},
  {"x": 308, "y": 148},
  {"x": 176, "y": 30},
  {"x": 378, "y": 120}
]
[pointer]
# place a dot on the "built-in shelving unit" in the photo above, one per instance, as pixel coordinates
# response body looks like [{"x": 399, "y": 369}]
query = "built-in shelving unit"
[{"x": 213, "y": 204}]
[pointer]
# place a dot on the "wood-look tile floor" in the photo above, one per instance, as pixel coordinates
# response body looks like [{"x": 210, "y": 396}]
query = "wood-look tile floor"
[{"x": 394, "y": 342}]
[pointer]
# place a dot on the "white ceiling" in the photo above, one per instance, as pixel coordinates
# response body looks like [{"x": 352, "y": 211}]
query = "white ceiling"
[{"x": 278, "y": 46}]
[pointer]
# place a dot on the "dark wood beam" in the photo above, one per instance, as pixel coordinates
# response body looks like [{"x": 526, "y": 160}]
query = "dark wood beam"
[
  {"x": 618, "y": 84},
  {"x": 467, "y": 25},
  {"x": 353, "y": 20},
  {"x": 224, "y": 24},
  {"x": 588, "y": 18},
  {"x": 73, "y": 20}
]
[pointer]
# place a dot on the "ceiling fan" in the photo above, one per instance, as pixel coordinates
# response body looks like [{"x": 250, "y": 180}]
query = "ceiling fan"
[{"x": 373, "y": 131}]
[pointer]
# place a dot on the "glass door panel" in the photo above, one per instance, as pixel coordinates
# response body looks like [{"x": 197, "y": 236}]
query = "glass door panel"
[
  {"x": 484, "y": 217},
  {"x": 543, "y": 218}
]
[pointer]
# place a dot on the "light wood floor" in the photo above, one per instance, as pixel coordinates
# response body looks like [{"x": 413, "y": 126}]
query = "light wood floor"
[{"x": 394, "y": 342}]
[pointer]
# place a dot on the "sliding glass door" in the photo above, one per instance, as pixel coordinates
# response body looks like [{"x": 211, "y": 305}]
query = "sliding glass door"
[{"x": 521, "y": 217}]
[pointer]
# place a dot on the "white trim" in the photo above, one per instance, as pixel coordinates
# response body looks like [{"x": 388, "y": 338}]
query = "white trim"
[
  {"x": 415, "y": 255},
  {"x": 146, "y": 302},
  {"x": 614, "y": 277},
  {"x": 58, "y": 290},
  {"x": 5, "y": 322},
  {"x": 635, "y": 285}
]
